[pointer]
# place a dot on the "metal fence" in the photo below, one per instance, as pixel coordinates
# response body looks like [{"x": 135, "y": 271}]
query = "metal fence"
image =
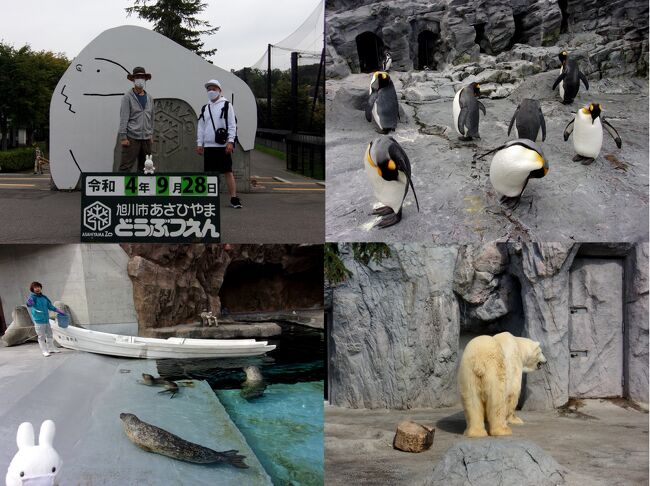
[{"x": 306, "y": 155}]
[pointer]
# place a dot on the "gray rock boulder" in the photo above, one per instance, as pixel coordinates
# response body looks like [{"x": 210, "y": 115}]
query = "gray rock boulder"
[
  {"x": 21, "y": 329},
  {"x": 497, "y": 462}
]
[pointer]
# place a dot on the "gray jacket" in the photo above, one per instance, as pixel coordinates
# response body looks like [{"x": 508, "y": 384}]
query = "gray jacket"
[{"x": 135, "y": 122}]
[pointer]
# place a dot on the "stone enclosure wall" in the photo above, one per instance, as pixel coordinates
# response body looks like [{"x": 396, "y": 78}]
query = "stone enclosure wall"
[
  {"x": 398, "y": 327},
  {"x": 457, "y": 31}
]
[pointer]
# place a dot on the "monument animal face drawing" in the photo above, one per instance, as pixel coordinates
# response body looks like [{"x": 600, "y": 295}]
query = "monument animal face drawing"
[{"x": 84, "y": 110}]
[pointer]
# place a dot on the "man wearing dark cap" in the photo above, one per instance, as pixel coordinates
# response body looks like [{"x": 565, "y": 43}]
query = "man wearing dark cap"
[{"x": 136, "y": 122}]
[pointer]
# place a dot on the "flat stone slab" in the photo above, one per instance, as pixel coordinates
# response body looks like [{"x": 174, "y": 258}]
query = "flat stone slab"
[
  {"x": 497, "y": 462},
  {"x": 85, "y": 393}
]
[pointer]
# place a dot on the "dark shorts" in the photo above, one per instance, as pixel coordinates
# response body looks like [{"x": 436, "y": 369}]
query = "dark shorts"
[{"x": 215, "y": 159}]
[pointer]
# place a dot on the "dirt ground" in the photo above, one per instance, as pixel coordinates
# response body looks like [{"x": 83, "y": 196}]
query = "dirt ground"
[{"x": 600, "y": 443}]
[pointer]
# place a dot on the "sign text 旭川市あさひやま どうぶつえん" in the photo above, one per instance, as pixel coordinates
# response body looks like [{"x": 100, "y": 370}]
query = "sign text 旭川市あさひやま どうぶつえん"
[{"x": 169, "y": 208}]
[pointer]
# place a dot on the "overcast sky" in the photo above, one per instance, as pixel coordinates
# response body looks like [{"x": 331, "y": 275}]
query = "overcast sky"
[{"x": 67, "y": 26}]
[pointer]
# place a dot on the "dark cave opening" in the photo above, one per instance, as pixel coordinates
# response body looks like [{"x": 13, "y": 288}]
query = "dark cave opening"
[
  {"x": 427, "y": 42},
  {"x": 519, "y": 36},
  {"x": 564, "y": 27},
  {"x": 262, "y": 287},
  {"x": 480, "y": 39},
  {"x": 370, "y": 50}
]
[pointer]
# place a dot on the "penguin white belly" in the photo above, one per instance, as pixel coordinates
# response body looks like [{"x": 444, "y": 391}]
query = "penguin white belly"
[
  {"x": 456, "y": 112},
  {"x": 375, "y": 116},
  {"x": 509, "y": 171},
  {"x": 389, "y": 193},
  {"x": 587, "y": 137},
  {"x": 562, "y": 88}
]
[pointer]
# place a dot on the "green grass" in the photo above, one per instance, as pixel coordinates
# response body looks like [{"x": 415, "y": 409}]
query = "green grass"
[{"x": 267, "y": 150}]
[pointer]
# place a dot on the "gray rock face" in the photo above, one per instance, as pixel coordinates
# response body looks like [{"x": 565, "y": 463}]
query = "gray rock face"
[
  {"x": 497, "y": 462},
  {"x": 395, "y": 331},
  {"x": 391, "y": 321},
  {"x": 459, "y": 29},
  {"x": 21, "y": 329}
]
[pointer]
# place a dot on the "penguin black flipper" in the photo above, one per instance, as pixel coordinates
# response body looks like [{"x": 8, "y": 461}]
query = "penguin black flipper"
[
  {"x": 397, "y": 154},
  {"x": 568, "y": 130},
  {"x": 583, "y": 78},
  {"x": 559, "y": 78},
  {"x": 371, "y": 102},
  {"x": 612, "y": 131},
  {"x": 512, "y": 122},
  {"x": 481, "y": 107},
  {"x": 542, "y": 123},
  {"x": 462, "y": 119}
]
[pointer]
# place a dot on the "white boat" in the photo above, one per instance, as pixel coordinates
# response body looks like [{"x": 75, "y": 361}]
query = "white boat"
[{"x": 153, "y": 348}]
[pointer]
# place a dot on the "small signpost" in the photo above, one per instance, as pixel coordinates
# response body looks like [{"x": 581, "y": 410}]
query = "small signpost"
[{"x": 160, "y": 208}]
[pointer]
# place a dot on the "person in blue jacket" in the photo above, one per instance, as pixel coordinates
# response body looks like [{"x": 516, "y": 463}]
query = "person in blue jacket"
[{"x": 39, "y": 306}]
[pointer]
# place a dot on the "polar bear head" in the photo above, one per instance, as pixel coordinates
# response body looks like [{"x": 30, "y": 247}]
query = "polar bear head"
[{"x": 531, "y": 354}]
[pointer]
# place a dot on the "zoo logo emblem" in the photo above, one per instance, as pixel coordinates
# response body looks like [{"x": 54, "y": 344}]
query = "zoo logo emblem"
[{"x": 97, "y": 216}]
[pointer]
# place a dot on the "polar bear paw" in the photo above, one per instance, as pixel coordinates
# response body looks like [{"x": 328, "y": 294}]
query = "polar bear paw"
[
  {"x": 476, "y": 432},
  {"x": 513, "y": 419},
  {"x": 505, "y": 430}
]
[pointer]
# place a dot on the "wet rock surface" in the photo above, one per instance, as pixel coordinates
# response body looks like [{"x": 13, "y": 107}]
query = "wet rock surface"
[{"x": 605, "y": 201}]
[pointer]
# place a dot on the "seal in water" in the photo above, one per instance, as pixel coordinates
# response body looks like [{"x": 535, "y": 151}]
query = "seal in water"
[
  {"x": 254, "y": 385},
  {"x": 154, "y": 439}
]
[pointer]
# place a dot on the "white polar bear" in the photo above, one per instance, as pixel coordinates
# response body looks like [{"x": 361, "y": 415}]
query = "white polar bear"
[{"x": 489, "y": 380}]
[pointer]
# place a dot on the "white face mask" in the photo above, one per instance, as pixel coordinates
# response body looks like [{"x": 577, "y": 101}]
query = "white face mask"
[
  {"x": 139, "y": 83},
  {"x": 214, "y": 95}
]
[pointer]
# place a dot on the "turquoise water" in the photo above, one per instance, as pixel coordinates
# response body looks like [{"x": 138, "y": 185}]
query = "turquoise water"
[{"x": 284, "y": 428}]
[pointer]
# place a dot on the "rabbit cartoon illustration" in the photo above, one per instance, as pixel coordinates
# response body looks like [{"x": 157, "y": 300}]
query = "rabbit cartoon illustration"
[
  {"x": 148, "y": 165},
  {"x": 34, "y": 465}
]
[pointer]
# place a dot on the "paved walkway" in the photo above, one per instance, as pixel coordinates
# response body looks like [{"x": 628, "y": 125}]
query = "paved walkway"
[{"x": 84, "y": 394}]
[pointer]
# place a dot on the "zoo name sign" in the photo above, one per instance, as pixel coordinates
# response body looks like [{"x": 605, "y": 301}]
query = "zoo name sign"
[{"x": 165, "y": 208}]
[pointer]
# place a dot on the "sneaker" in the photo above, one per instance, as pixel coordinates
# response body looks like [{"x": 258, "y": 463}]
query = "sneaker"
[
  {"x": 46, "y": 354},
  {"x": 235, "y": 202},
  {"x": 55, "y": 350}
]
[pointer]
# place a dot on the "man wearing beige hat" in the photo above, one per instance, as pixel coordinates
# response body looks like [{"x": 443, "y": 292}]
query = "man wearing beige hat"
[
  {"x": 136, "y": 122},
  {"x": 215, "y": 139}
]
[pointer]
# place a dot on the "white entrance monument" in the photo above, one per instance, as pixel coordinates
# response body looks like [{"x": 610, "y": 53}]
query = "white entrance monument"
[{"x": 85, "y": 106}]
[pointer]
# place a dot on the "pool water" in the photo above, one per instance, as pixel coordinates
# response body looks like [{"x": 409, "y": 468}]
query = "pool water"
[
  {"x": 285, "y": 425},
  {"x": 284, "y": 428}
]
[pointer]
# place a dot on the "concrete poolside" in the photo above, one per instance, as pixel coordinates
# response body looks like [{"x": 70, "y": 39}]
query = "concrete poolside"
[
  {"x": 85, "y": 393},
  {"x": 603, "y": 444}
]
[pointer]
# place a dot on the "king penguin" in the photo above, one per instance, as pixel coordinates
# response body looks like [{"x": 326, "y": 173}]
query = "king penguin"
[
  {"x": 382, "y": 108},
  {"x": 389, "y": 171},
  {"x": 465, "y": 111},
  {"x": 569, "y": 79},
  {"x": 588, "y": 133},
  {"x": 513, "y": 165},
  {"x": 529, "y": 120}
]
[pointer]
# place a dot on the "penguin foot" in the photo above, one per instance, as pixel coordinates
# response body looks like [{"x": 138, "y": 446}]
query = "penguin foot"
[
  {"x": 510, "y": 202},
  {"x": 588, "y": 161},
  {"x": 389, "y": 220},
  {"x": 577, "y": 158},
  {"x": 383, "y": 211}
]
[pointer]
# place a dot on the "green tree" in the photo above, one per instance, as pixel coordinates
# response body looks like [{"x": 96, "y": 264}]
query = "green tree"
[
  {"x": 176, "y": 20},
  {"x": 27, "y": 80}
]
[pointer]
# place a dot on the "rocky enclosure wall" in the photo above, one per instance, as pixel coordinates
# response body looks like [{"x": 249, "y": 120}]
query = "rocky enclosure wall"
[
  {"x": 619, "y": 39},
  {"x": 173, "y": 284},
  {"x": 385, "y": 318}
]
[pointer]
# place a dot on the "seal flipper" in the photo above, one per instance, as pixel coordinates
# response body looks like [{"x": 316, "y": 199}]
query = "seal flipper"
[
  {"x": 583, "y": 78},
  {"x": 612, "y": 131},
  {"x": 560, "y": 78},
  {"x": 568, "y": 130},
  {"x": 233, "y": 458}
]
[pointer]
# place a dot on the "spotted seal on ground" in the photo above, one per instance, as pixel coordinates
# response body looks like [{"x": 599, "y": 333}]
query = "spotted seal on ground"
[
  {"x": 170, "y": 386},
  {"x": 154, "y": 439}
]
